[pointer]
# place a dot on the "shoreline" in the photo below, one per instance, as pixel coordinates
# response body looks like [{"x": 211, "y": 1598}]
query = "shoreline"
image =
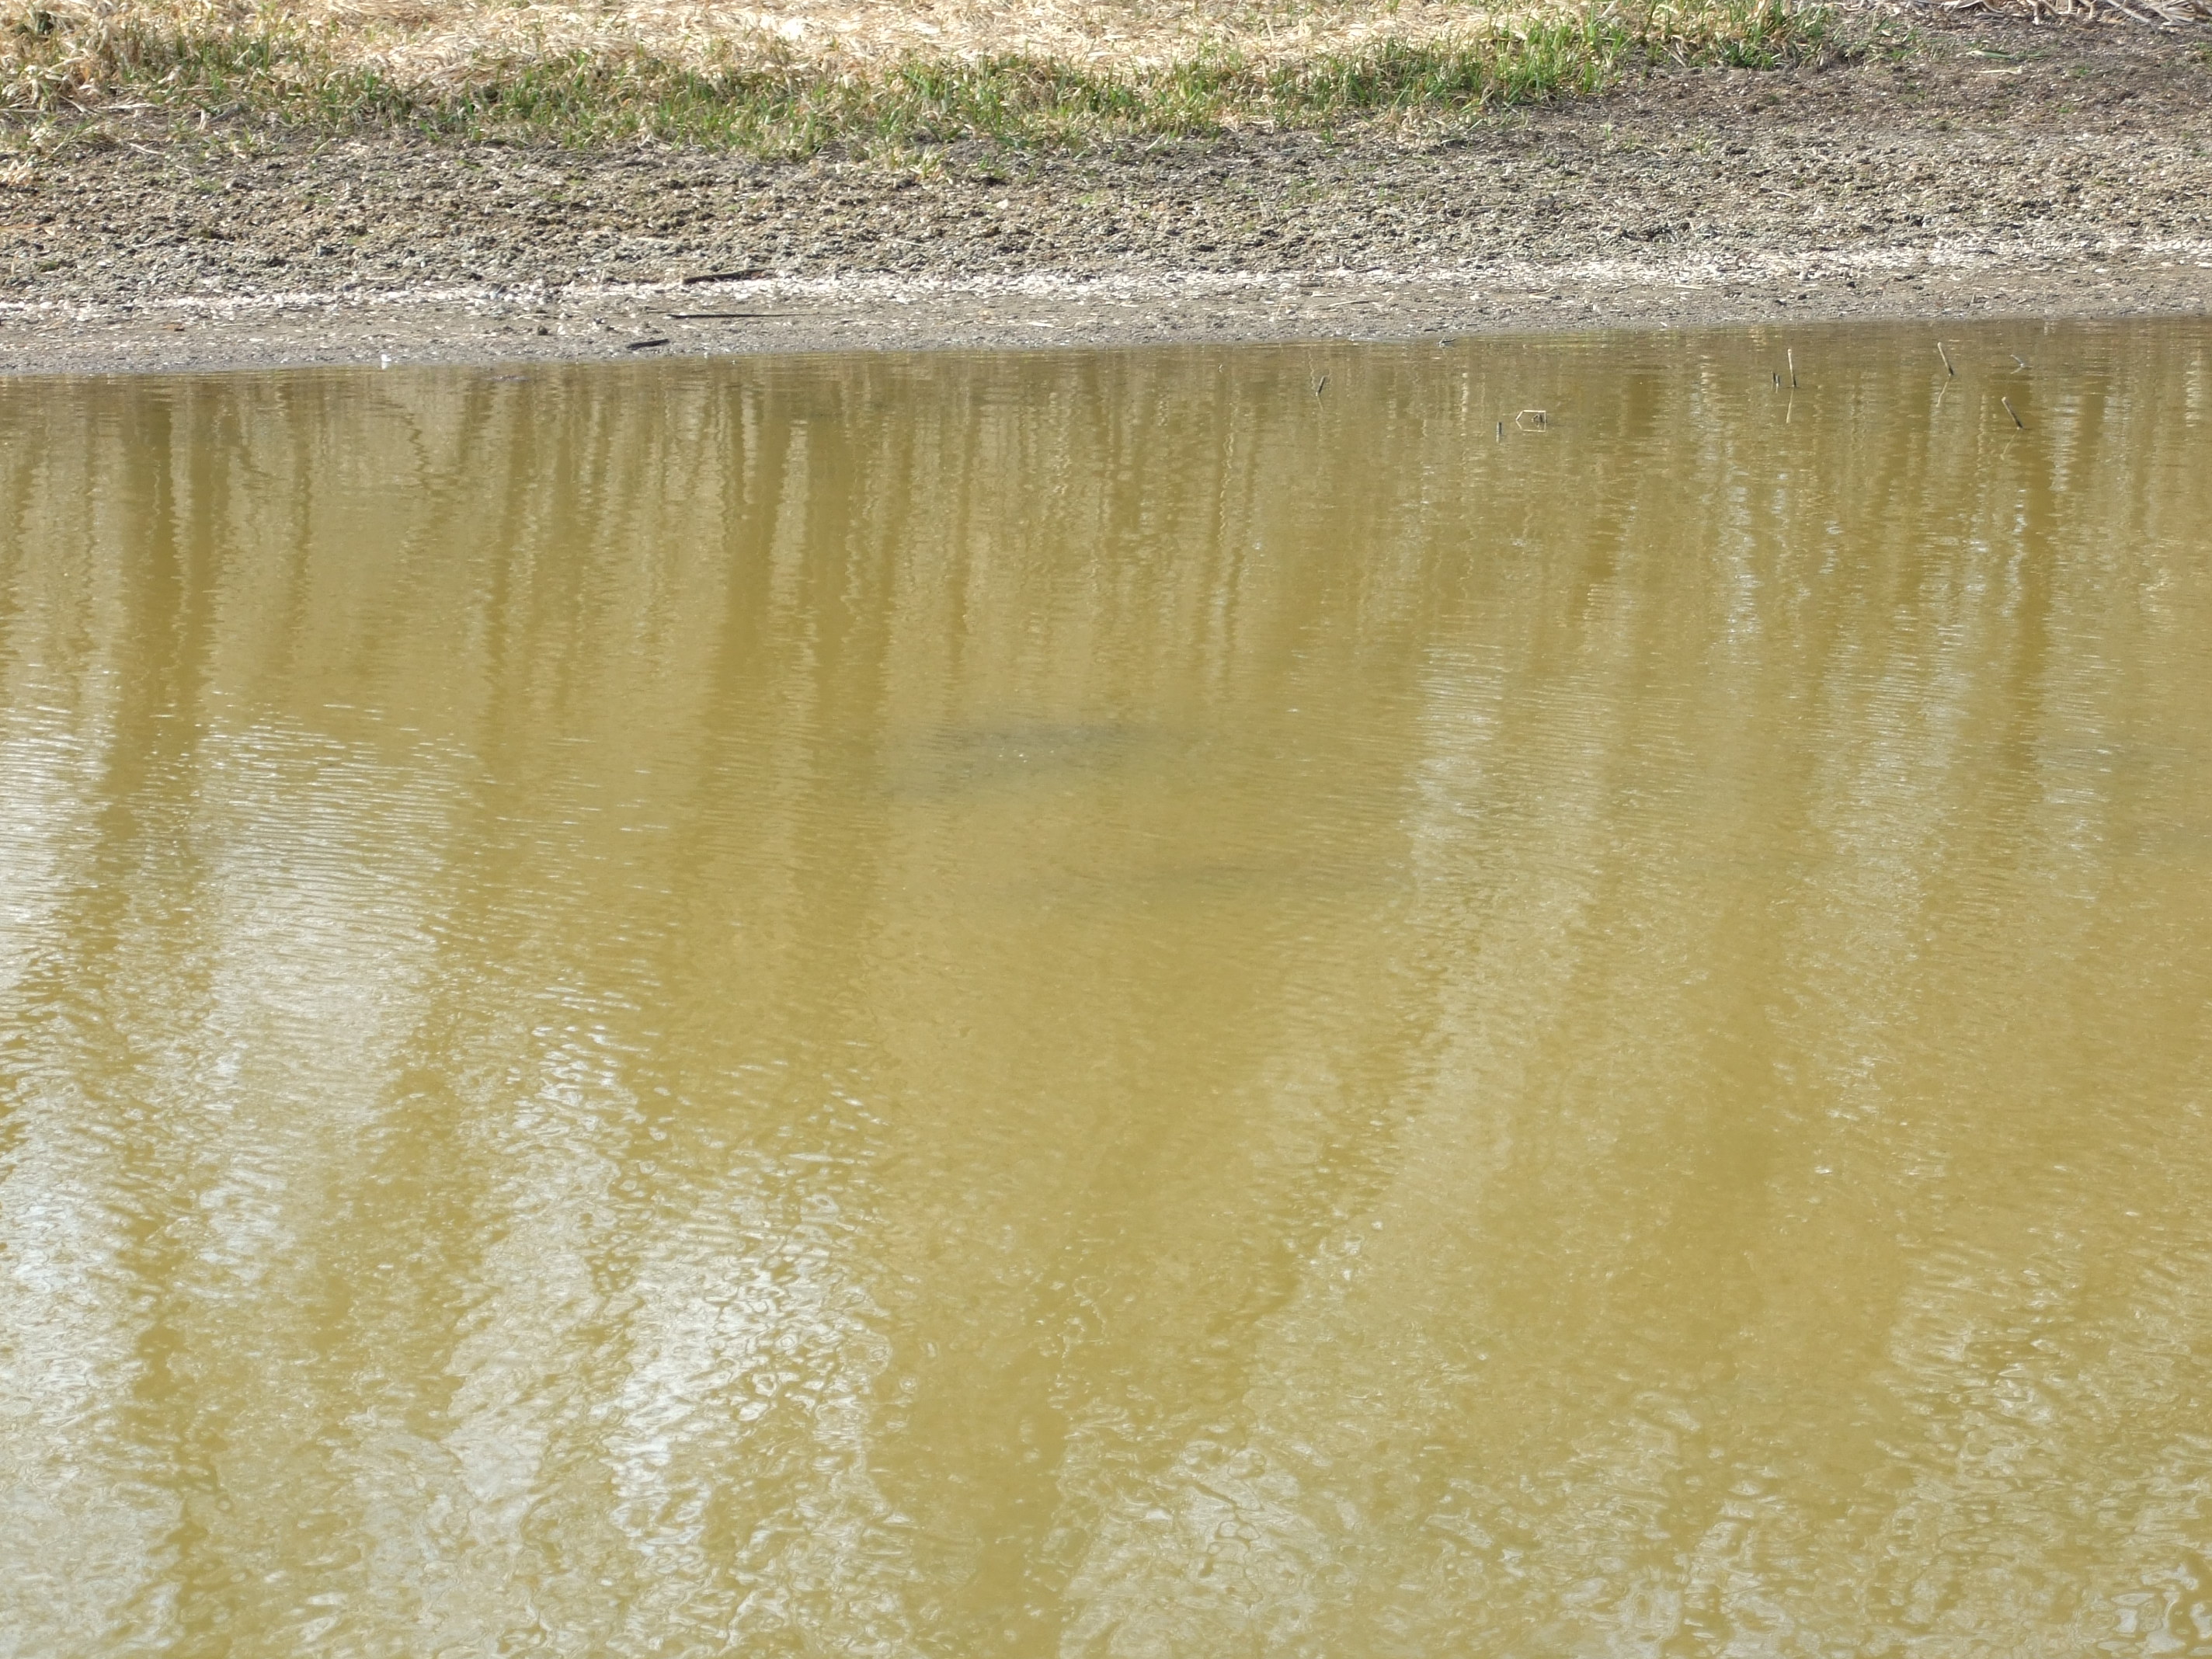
[
  {"x": 1998, "y": 169},
  {"x": 494, "y": 328}
]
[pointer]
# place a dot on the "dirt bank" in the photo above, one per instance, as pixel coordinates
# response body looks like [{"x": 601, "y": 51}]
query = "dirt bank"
[{"x": 1996, "y": 168}]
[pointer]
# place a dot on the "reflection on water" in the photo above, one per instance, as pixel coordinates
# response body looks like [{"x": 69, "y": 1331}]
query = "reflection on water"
[{"x": 1100, "y": 1006}]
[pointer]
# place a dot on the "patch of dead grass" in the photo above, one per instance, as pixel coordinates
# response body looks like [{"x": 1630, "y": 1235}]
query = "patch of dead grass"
[
  {"x": 2162, "y": 14},
  {"x": 417, "y": 41},
  {"x": 785, "y": 74}
]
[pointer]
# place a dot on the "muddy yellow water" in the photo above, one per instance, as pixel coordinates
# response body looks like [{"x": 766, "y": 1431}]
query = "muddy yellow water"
[{"x": 1112, "y": 1005}]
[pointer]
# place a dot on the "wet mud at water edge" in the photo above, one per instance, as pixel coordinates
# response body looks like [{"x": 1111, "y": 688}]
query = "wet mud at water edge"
[{"x": 1114, "y": 1004}]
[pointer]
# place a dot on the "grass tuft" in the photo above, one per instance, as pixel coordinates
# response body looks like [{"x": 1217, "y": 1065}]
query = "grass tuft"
[{"x": 229, "y": 58}]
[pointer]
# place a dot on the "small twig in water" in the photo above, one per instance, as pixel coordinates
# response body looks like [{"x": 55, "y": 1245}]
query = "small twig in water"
[
  {"x": 1946, "y": 357},
  {"x": 1792, "y": 356},
  {"x": 1535, "y": 416},
  {"x": 2015, "y": 413},
  {"x": 1320, "y": 386}
]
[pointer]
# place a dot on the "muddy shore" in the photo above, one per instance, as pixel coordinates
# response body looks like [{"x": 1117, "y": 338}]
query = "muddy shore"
[{"x": 1996, "y": 169}]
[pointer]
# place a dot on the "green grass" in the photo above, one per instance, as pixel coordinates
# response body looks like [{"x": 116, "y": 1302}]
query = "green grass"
[{"x": 268, "y": 69}]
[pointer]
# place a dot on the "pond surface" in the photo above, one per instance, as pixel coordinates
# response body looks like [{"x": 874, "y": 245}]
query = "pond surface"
[{"x": 1110, "y": 1005}]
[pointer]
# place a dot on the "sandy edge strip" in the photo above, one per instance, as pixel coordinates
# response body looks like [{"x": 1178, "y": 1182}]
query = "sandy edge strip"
[{"x": 489, "y": 324}]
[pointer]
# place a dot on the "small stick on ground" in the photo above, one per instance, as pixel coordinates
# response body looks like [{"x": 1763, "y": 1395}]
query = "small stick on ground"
[{"x": 2015, "y": 413}]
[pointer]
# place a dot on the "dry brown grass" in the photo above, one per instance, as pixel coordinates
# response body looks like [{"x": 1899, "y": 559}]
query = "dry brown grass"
[
  {"x": 2163, "y": 14},
  {"x": 422, "y": 42},
  {"x": 800, "y": 72},
  {"x": 416, "y": 34}
]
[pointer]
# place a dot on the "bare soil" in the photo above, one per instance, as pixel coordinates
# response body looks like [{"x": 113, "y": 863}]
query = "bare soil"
[{"x": 1998, "y": 168}]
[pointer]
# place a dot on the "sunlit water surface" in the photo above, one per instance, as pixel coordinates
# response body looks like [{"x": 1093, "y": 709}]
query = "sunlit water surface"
[{"x": 1108, "y": 1006}]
